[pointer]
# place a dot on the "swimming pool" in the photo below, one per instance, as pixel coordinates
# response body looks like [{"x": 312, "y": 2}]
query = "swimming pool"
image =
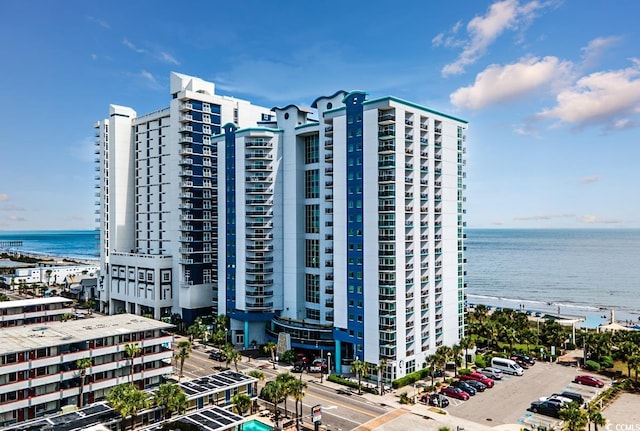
[{"x": 255, "y": 425}]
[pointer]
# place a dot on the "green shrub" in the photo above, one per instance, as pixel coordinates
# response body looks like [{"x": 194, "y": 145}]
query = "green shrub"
[
  {"x": 592, "y": 365},
  {"x": 480, "y": 362},
  {"x": 606, "y": 362},
  {"x": 464, "y": 371},
  {"x": 336, "y": 379}
]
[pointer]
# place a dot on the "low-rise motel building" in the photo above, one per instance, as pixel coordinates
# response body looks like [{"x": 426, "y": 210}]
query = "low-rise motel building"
[
  {"x": 39, "y": 373},
  {"x": 209, "y": 409},
  {"x": 34, "y": 310}
]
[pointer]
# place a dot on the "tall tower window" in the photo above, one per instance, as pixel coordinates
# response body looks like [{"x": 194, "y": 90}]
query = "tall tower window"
[{"x": 311, "y": 149}]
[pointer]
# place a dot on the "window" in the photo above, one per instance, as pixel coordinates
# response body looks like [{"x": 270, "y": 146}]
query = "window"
[
  {"x": 312, "y": 253},
  {"x": 312, "y": 287},
  {"x": 312, "y": 314},
  {"x": 312, "y": 219},
  {"x": 311, "y": 149},
  {"x": 311, "y": 184}
]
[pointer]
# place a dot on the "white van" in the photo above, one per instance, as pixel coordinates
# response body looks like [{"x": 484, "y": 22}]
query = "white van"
[{"x": 507, "y": 366}]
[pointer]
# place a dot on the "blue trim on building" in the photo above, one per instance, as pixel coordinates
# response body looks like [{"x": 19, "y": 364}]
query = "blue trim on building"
[
  {"x": 315, "y": 102},
  {"x": 230, "y": 222},
  {"x": 354, "y": 333}
]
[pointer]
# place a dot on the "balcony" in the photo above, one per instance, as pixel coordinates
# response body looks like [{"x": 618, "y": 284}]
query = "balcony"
[
  {"x": 257, "y": 306},
  {"x": 386, "y": 118},
  {"x": 258, "y": 143},
  {"x": 328, "y": 130},
  {"x": 186, "y": 118},
  {"x": 186, "y": 107}
]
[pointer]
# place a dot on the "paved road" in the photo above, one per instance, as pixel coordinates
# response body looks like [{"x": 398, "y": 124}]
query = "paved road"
[{"x": 339, "y": 412}]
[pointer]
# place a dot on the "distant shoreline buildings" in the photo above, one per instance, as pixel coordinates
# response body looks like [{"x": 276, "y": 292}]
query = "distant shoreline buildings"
[{"x": 338, "y": 228}]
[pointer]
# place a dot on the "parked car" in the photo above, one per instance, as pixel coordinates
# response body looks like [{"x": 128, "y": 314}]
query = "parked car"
[
  {"x": 556, "y": 399},
  {"x": 478, "y": 377},
  {"x": 315, "y": 368},
  {"x": 465, "y": 387},
  {"x": 572, "y": 396},
  {"x": 589, "y": 381},
  {"x": 507, "y": 366},
  {"x": 217, "y": 356},
  {"x": 524, "y": 358},
  {"x": 492, "y": 373},
  {"x": 546, "y": 408},
  {"x": 523, "y": 364},
  {"x": 453, "y": 392},
  {"x": 478, "y": 386},
  {"x": 298, "y": 367},
  {"x": 319, "y": 364},
  {"x": 436, "y": 399}
]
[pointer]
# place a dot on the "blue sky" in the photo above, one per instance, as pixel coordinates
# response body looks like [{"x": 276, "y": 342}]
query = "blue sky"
[{"x": 551, "y": 90}]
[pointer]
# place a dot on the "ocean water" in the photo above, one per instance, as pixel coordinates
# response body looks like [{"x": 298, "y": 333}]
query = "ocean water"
[
  {"x": 81, "y": 244},
  {"x": 583, "y": 272}
]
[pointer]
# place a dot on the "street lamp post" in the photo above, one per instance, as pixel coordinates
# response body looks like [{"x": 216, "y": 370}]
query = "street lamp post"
[{"x": 328, "y": 363}]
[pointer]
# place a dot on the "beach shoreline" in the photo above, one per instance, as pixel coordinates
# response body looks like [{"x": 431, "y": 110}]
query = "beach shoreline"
[
  {"x": 593, "y": 315},
  {"x": 47, "y": 258}
]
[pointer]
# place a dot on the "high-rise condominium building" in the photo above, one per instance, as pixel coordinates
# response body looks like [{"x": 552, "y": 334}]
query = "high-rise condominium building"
[{"x": 340, "y": 225}]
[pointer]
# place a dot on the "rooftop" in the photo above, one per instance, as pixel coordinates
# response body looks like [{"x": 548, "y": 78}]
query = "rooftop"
[
  {"x": 214, "y": 383},
  {"x": 34, "y": 301},
  {"x": 30, "y": 337}
]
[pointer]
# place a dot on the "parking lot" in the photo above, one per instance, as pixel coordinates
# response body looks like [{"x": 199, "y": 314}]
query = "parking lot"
[{"x": 507, "y": 402}]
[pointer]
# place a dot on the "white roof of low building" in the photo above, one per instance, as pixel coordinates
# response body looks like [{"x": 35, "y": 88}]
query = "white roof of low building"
[
  {"x": 30, "y": 337},
  {"x": 34, "y": 301}
]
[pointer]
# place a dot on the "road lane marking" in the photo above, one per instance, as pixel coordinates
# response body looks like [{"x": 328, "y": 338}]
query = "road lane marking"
[{"x": 333, "y": 401}]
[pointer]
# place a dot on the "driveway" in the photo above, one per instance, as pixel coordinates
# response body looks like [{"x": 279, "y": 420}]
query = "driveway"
[{"x": 507, "y": 402}]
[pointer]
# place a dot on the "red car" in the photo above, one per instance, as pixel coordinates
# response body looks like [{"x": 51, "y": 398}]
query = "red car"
[
  {"x": 454, "y": 392},
  {"x": 589, "y": 381},
  {"x": 478, "y": 377}
]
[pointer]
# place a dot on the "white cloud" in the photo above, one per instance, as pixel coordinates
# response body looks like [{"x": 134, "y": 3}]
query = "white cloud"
[
  {"x": 132, "y": 47},
  {"x": 608, "y": 98},
  {"x": 590, "y": 179},
  {"x": 148, "y": 76},
  {"x": 591, "y": 219},
  {"x": 498, "y": 84},
  {"x": 484, "y": 30},
  {"x": 596, "y": 48},
  {"x": 4, "y": 197},
  {"x": 15, "y": 218},
  {"x": 102, "y": 23},
  {"x": 167, "y": 58},
  {"x": 544, "y": 217}
]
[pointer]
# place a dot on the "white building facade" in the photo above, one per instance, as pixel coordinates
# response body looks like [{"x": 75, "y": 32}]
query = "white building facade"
[
  {"x": 39, "y": 371},
  {"x": 341, "y": 226}
]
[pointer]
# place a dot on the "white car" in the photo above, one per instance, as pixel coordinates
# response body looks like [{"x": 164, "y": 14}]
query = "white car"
[{"x": 493, "y": 373}]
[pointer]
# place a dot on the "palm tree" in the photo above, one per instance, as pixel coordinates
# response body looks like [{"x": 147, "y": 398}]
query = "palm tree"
[
  {"x": 575, "y": 418},
  {"x": 131, "y": 350},
  {"x": 467, "y": 343},
  {"x": 232, "y": 355},
  {"x": 627, "y": 350},
  {"x": 171, "y": 398},
  {"x": 285, "y": 379},
  {"x": 241, "y": 403},
  {"x": 456, "y": 354},
  {"x": 273, "y": 392},
  {"x": 184, "y": 348},
  {"x": 432, "y": 362},
  {"x": 271, "y": 347},
  {"x": 634, "y": 363},
  {"x": 82, "y": 364},
  {"x": 443, "y": 354},
  {"x": 259, "y": 375},
  {"x": 3, "y": 297},
  {"x": 297, "y": 388},
  {"x": 359, "y": 367},
  {"x": 127, "y": 400},
  {"x": 597, "y": 419}
]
